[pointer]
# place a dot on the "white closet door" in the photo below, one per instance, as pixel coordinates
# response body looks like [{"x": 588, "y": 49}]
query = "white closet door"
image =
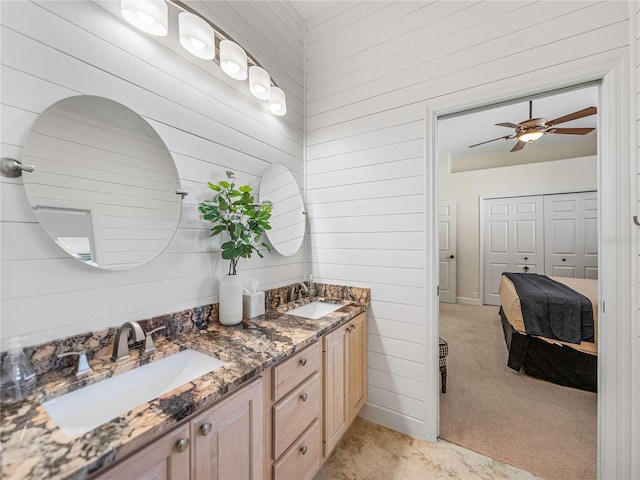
[
  {"x": 571, "y": 235},
  {"x": 513, "y": 239},
  {"x": 447, "y": 250}
]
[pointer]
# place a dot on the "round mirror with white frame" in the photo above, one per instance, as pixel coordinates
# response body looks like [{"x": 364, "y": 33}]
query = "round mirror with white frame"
[
  {"x": 279, "y": 187},
  {"x": 104, "y": 185}
]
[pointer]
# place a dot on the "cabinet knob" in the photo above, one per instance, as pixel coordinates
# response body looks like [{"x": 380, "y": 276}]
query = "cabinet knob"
[
  {"x": 303, "y": 450},
  {"x": 564, "y": 259},
  {"x": 304, "y": 397},
  {"x": 526, "y": 258},
  {"x": 303, "y": 361},
  {"x": 182, "y": 444},
  {"x": 205, "y": 428}
]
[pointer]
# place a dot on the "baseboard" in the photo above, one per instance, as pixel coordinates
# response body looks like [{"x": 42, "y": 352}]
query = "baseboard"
[
  {"x": 469, "y": 301},
  {"x": 393, "y": 420}
]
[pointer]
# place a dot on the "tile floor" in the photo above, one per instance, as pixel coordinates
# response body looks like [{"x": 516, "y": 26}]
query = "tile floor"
[{"x": 371, "y": 452}]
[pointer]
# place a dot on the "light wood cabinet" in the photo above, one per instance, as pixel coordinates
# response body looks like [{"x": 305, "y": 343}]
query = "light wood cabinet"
[
  {"x": 165, "y": 459},
  {"x": 294, "y": 416},
  {"x": 227, "y": 438},
  {"x": 345, "y": 382},
  {"x": 223, "y": 442}
]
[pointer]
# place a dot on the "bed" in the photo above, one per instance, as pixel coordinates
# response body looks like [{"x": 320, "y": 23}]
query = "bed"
[{"x": 568, "y": 363}]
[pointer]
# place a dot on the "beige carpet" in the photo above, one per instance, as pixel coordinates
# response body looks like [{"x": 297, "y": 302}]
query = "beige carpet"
[{"x": 540, "y": 427}]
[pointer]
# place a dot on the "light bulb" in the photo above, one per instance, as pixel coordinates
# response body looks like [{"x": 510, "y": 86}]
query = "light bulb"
[
  {"x": 197, "y": 44},
  {"x": 277, "y": 101},
  {"x": 150, "y": 16},
  {"x": 233, "y": 60},
  {"x": 196, "y": 36},
  {"x": 529, "y": 136},
  {"x": 259, "y": 82}
]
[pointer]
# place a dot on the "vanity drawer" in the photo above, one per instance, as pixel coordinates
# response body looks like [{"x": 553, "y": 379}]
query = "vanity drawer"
[
  {"x": 302, "y": 460},
  {"x": 294, "y": 370},
  {"x": 295, "y": 412}
]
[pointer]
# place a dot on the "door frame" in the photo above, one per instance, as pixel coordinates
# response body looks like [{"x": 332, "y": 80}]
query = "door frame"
[{"x": 618, "y": 427}]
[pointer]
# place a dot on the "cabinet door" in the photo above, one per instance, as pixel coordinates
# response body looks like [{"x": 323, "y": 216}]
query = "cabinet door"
[
  {"x": 227, "y": 438},
  {"x": 165, "y": 459},
  {"x": 357, "y": 378},
  {"x": 336, "y": 413}
]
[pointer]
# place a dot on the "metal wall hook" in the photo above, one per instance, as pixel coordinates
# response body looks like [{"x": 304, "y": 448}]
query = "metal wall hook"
[
  {"x": 635, "y": 220},
  {"x": 13, "y": 168}
]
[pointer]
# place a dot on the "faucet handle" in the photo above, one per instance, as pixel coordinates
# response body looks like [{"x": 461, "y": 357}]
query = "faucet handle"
[
  {"x": 148, "y": 341},
  {"x": 83, "y": 368}
]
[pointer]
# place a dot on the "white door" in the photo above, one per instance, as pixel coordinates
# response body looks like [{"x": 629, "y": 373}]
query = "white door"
[
  {"x": 447, "y": 250},
  {"x": 571, "y": 235},
  {"x": 513, "y": 240}
]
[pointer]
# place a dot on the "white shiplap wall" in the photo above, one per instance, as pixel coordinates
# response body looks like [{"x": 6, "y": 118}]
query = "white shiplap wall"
[
  {"x": 210, "y": 123},
  {"x": 370, "y": 69}
]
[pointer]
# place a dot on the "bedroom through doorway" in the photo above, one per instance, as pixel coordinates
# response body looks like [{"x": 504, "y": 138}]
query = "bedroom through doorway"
[{"x": 537, "y": 425}]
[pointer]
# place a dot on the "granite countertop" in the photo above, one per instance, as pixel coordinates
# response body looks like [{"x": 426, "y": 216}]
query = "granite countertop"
[{"x": 34, "y": 447}]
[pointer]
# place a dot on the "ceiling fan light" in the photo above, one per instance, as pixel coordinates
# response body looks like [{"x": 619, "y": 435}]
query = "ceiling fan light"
[
  {"x": 150, "y": 16},
  {"x": 259, "y": 82},
  {"x": 529, "y": 136},
  {"x": 196, "y": 36},
  {"x": 233, "y": 60},
  {"x": 277, "y": 102}
]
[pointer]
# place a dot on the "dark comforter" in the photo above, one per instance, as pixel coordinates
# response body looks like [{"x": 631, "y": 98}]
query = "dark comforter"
[{"x": 553, "y": 310}]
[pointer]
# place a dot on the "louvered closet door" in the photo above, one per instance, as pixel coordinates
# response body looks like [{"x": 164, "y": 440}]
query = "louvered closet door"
[
  {"x": 513, "y": 240},
  {"x": 571, "y": 235}
]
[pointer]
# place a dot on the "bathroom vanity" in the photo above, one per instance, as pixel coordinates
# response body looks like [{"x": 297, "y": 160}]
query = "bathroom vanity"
[{"x": 288, "y": 390}]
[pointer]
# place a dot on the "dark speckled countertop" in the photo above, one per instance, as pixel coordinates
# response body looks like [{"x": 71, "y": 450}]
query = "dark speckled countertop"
[{"x": 33, "y": 447}]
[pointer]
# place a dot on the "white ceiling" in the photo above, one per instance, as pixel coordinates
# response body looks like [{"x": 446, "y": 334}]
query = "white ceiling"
[
  {"x": 311, "y": 8},
  {"x": 457, "y": 133}
]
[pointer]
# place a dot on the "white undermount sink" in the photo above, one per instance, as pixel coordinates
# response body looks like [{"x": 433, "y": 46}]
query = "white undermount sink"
[
  {"x": 314, "y": 310},
  {"x": 83, "y": 410}
]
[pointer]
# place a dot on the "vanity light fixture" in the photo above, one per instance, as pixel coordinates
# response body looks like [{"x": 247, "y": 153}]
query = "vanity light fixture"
[
  {"x": 277, "y": 101},
  {"x": 196, "y": 36},
  {"x": 202, "y": 38},
  {"x": 259, "y": 82},
  {"x": 233, "y": 60},
  {"x": 150, "y": 16}
]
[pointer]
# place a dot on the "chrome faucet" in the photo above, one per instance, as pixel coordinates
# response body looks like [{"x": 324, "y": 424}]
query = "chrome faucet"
[
  {"x": 121, "y": 343},
  {"x": 292, "y": 294}
]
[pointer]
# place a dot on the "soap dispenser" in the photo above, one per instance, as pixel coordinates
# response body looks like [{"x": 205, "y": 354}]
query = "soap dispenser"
[
  {"x": 312, "y": 287},
  {"x": 17, "y": 376}
]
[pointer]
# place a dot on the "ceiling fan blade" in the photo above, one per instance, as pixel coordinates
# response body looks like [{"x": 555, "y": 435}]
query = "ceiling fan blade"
[
  {"x": 571, "y": 131},
  {"x": 585, "y": 112},
  {"x": 506, "y": 137},
  {"x": 508, "y": 124},
  {"x": 518, "y": 146}
]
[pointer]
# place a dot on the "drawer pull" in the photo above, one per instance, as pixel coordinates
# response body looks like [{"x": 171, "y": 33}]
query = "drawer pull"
[
  {"x": 303, "y": 450},
  {"x": 205, "y": 428},
  {"x": 303, "y": 361},
  {"x": 304, "y": 397},
  {"x": 182, "y": 444}
]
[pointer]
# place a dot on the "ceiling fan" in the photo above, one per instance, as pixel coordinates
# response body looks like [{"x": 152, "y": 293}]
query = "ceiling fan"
[{"x": 534, "y": 128}]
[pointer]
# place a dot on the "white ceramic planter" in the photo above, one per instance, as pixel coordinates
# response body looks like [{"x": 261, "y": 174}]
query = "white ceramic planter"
[{"x": 230, "y": 300}]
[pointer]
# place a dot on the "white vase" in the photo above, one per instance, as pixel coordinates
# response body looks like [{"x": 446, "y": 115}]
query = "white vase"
[{"x": 230, "y": 300}]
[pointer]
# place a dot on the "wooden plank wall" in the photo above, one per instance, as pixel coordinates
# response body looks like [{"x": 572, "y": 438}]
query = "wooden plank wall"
[
  {"x": 209, "y": 122},
  {"x": 370, "y": 69}
]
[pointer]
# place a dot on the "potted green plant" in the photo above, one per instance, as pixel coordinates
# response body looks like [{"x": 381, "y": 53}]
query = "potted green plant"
[{"x": 234, "y": 211}]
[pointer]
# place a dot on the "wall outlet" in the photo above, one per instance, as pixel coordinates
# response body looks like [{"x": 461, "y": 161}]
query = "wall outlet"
[{"x": 475, "y": 295}]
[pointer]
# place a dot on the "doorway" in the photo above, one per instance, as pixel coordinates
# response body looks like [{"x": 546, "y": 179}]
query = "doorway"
[{"x": 615, "y": 411}]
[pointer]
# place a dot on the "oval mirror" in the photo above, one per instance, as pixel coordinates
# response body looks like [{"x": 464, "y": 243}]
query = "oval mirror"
[
  {"x": 104, "y": 183},
  {"x": 287, "y": 217}
]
